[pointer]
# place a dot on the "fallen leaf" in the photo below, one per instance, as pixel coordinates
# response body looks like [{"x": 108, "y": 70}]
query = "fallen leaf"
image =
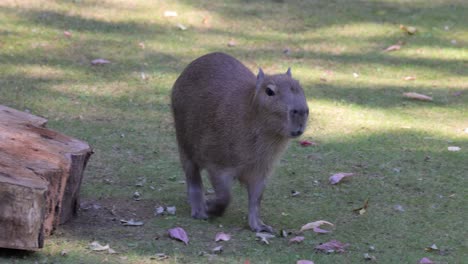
[
  {"x": 170, "y": 13},
  {"x": 264, "y": 237},
  {"x": 304, "y": 261},
  {"x": 296, "y": 240},
  {"x": 136, "y": 196},
  {"x": 141, "y": 45},
  {"x": 206, "y": 21},
  {"x": 362, "y": 210},
  {"x": 409, "y": 78},
  {"x": 232, "y": 43},
  {"x": 99, "y": 62},
  {"x": 179, "y": 233},
  {"x": 306, "y": 143},
  {"x": 433, "y": 247},
  {"x": 67, "y": 34},
  {"x": 315, "y": 224},
  {"x": 332, "y": 246},
  {"x": 159, "y": 256},
  {"x": 393, "y": 48},
  {"x": 337, "y": 177},
  {"x": 87, "y": 206},
  {"x": 294, "y": 193},
  {"x": 141, "y": 181},
  {"x": 425, "y": 261},
  {"x": 285, "y": 233},
  {"x": 408, "y": 29},
  {"x": 131, "y": 222},
  {"x": 417, "y": 96},
  {"x": 159, "y": 210},
  {"x": 318, "y": 230},
  {"x": 95, "y": 246},
  {"x": 171, "y": 210},
  {"x": 398, "y": 208},
  {"x": 181, "y": 27},
  {"x": 222, "y": 237},
  {"x": 217, "y": 250},
  {"x": 454, "y": 148},
  {"x": 367, "y": 256}
]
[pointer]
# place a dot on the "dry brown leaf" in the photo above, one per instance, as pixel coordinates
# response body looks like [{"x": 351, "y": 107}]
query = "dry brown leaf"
[
  {"x": 232, "y": 43},
  {"x": 370, "y": 257},
  {"x": 131, "y": 222},
  {"x": 159, "y": 256},
  {"x": 67, "y": 34},
  {"x": 408, "y": 29},
  {"x": 337, "y": 177},
  {"x": 454, "y": 148},
  {"x": 99, "y": 62},
  {"x": 296, "y": 240},
  {"x": 222, "y": 237},
  {"x": 315, "y": 224},
  {"x": 332, "y": 246},
  {"x": 417, "y": 96},
  {"x": 393, "y": 48},
  {"x": 426, "y": 261},
  {"x": 217, "y": 250},
  {"x": 304, "y": 261},
  {"x": 363, "y": 209},
  {"x": 181, "y": 27},
  {"x": 264, "y": 237},
  {"x": 170, "y": 13},
  {"x": 179, "y": 233},
  {"x": 95, "y": 246},
  {"x": 318, "y": 230},
  {"x": 409, "y": 78}
]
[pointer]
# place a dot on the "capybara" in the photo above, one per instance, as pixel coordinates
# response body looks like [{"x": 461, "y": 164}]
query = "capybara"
[{"x": 235, "y": 126}]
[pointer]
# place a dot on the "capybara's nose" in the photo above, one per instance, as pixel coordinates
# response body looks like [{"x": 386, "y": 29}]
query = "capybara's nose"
[
  {"x": 296, "y": 133},
  {"x": 299, "y": 112}
]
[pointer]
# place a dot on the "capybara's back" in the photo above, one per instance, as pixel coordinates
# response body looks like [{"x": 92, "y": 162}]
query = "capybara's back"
[{"x": 234, "y": 125}]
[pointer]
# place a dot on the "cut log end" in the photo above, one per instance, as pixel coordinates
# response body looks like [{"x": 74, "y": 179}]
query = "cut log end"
[{"x": 40, "y": 177}]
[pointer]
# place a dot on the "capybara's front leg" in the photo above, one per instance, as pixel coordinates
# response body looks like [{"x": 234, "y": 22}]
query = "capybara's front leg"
[{"x": 255, "y": 190}]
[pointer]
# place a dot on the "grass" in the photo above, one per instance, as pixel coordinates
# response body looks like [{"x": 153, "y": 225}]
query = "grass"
[{"x": 397, "y": 148}]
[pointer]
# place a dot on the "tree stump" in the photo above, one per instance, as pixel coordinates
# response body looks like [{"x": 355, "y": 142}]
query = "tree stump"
[{"x": 40, "y": 179}]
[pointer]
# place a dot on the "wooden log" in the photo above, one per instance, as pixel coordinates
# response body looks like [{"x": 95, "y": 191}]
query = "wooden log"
[{"x": 40, "y": 178}]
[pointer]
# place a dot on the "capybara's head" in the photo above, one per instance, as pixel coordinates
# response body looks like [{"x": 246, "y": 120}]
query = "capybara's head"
[{"x": 281, "y": 104}]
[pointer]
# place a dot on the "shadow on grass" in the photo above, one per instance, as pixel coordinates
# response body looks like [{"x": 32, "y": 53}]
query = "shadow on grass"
[{"x": 300, "y": 16}]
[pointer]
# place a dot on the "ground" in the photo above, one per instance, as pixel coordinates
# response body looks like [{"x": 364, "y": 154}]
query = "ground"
[{"x": 396, "y": 147}]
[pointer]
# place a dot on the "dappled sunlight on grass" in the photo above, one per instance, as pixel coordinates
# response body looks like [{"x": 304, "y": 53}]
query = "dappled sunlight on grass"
[
  {"x": 343, "y": 120},
  {"x": 396, "y": 147}
]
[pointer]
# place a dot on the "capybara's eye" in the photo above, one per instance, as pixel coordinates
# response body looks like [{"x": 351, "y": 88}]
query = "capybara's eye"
[{"x": 269, "y": 92}]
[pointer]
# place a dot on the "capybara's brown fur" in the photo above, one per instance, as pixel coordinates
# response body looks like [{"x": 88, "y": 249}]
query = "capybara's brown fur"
[{"x": 233, "y": 125}]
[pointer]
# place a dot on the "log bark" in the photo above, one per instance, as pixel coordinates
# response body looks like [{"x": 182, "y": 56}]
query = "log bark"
[{"x": 40, "y": 178}]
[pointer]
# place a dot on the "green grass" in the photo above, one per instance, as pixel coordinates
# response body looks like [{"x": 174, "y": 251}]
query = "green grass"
[{"x": 396, "y": 147}]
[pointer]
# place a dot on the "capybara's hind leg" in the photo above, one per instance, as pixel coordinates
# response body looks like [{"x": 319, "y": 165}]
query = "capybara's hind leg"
[
  {"x": 195, "y": 189},
  {"x": 222, "y": 182}
]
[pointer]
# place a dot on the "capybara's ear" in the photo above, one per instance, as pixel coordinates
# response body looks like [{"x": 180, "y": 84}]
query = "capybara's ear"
[{"x": 260, "y": 78}]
